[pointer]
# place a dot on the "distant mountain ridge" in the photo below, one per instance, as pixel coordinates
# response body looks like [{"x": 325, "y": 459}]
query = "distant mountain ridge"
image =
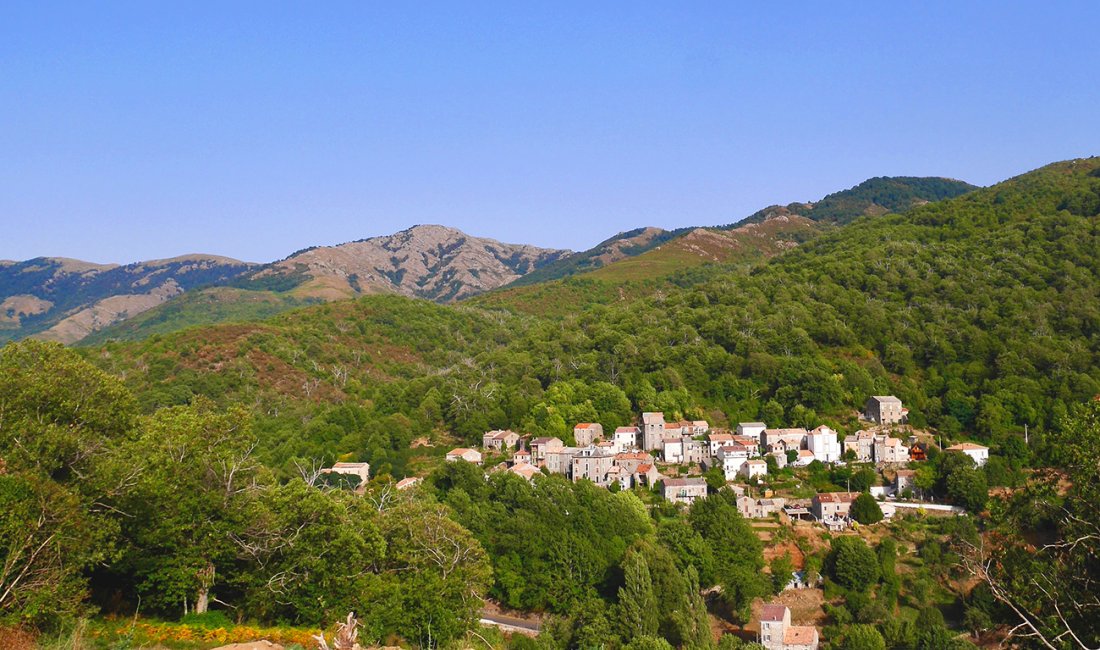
[
  {"x": 872, "y": 197},
  {"x": 621, "y": 246},
  {"x": 426, "y": 261},
  {"x": 64, "y": 300},
  {"x": 69, "y": 300}
]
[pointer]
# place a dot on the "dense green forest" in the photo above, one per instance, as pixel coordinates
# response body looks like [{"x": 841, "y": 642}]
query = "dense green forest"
[
  {"x": 179, "y": 469},
  {"x": 872, "y": 197},
  {"x": 980, "y": 312}
]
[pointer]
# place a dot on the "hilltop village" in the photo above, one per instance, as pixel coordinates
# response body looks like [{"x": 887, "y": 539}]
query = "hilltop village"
[{"x": 680, "y": 462}]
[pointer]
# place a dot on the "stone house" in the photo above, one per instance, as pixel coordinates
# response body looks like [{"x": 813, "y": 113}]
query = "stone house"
[
  {"x": 906, "y": 479},
  {"x": 753, "y": 468},
  {"x": 525, "y": 470},
  {"x": 653, "y": 430},
  {"x": 631, "y": 461},
  {"x": 718, "y": 440},
  {"x": 777, "y": 633},
  {"x": 408, "y": 482},
  {"x": 560, "y": 460},
  {"x": 685, "y": 490},
  {"x": 752, "y": 443},
  {"x": 592, "y": 463},
  {"x": 890, "y": 450},
  {"x": 751, "y": 429},
  {"x": 539, "y": 447},
  {"x": 684, "y": 449},
  {"x": 862, "y": 444},
  {"x": 500, "y": 440},
  {"x": 884, "y": 409},
  {"x": 828, "y": 505},
  {"x": 468, "y": 455},
  {"x": 586, "y": 433},
  {"x": 751, "y": 508},
  {"x": 783, "y": 439},
  {"x": 805, "y": 457},
  {"x": 731, "y": 458},
  {"x": 360, "y": 470}
]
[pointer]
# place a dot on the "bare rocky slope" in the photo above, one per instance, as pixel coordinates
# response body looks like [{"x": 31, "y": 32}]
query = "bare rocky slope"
[
  {"x": 434, "y": 262},
  {"x": 64, "y": 300},
  {"x": 68, "y": 300}
]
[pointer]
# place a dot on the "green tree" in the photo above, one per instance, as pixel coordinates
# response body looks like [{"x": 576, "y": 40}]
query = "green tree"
[
  {"x": 187, "y": 503},
  {"x": 637, "y": 603},
  {"x": 866, "y": 510},
  {"x": 967, "y": 487},
  {"x": 781, "y": 570},
  {"x": 852, "y": 563},
  {"x": 47, "y": 541},
  {"x": 438, "y": 573},
  {"x": 863, "y": 637},
  {"x": 737, "y": 552}
]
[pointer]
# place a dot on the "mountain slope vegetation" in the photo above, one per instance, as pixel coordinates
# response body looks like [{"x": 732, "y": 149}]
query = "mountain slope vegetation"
[
  {"x": 65, "y": 300},
  {"x": 687, "y": 256},
  {"x": 622, "y": 246},
  {"x": 194, "y": 457},
  {"x": 980, "y": 312},
  {"x": 872, "y": 197}
]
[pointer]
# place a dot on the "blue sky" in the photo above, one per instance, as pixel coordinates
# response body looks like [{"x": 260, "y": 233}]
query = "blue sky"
[{"x": 138, "y": 130}]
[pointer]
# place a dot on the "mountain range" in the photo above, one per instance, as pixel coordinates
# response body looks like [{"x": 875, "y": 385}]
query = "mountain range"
[{"x": 69, "y": 300}]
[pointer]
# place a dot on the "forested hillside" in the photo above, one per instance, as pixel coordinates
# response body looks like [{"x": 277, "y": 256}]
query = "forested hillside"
[
  {"x": 872, "y": 197},
  {"x": 980, "y": 312},
  {"x": 183, "y": 469}
]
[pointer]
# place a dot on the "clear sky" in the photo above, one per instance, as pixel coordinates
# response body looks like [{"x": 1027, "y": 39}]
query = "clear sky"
[{"x": 138, "y": 130}]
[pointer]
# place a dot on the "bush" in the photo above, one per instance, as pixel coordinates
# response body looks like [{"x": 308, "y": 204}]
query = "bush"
[{"x": 207, "y": 620}]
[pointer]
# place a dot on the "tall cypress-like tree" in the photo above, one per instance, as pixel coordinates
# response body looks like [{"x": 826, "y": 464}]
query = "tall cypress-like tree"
[{"x": 637, "y": 602}]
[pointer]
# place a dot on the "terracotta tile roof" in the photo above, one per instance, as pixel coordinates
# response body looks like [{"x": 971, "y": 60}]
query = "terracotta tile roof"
[
  {"x": 799, "y": 635},
  {"x": 632, "y": 455},
  {"x": 715, "y": 437},
  {"x": 907, "y": 472},
  {"x": 772, "y": 613},
  {"x": 407, "y": 482},
  {"x": 644, "y": 468},
  {"x": 836, "y": 497},
  {"x": 584, "y": 425},
  {"x": 626, "y": 430},
  {"x": 966, "y": 446},
  {"x": 458, "y": 451}
]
